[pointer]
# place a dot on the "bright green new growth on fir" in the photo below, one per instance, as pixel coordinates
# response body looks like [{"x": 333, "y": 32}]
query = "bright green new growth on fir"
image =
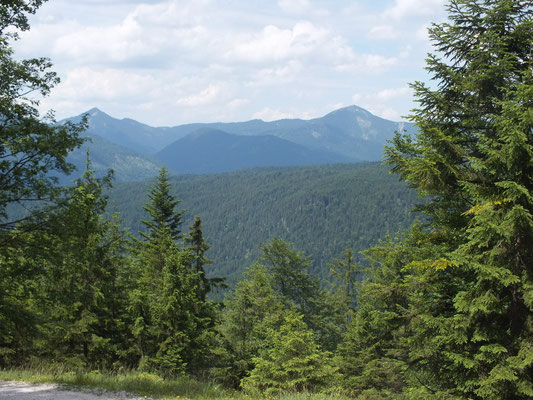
[{"x": 473, "y": 156}]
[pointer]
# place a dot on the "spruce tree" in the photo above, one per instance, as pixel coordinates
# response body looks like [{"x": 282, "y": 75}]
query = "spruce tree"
[
  {"x": 473, "y": 155},
  {"x": 346, "y": 275},
  {"x": 162, "y": 209},
  {"x": 197, "y": 246},
  {"x": 297, "y": 288},
  {"x": 172, "y": 320}
]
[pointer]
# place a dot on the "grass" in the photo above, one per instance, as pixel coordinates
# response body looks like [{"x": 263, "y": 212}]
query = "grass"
[{"x": 147, "y": 385}]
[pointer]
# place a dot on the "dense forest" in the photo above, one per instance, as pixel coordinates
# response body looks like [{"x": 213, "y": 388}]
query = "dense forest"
[
  {"x": 303, "y": 205},
  {"x": 443, "y": 310}
]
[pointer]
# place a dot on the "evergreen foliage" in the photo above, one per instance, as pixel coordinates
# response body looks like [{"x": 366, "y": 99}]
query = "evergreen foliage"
[
  {"x": 463, "y": 320},
  {"x": 172, "y": 318},
  {"x": 445, "y": 310},
  {"x": 291, "y": 361},
  {"x": 322, "y": 210},
  {"x": 31, "y": 149},
  {"x": 250, "y": 308},
  {"x": 162, "y": 209},
  {"x": 346, "y": 275},
  {"x": 297, "y": 288},
  {"x": 82, "y": 286},
  {"x": 197, "y": 246}
]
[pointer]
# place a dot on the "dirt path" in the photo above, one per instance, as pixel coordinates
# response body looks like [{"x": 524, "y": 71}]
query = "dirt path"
[{"x": 27, "y": 391}]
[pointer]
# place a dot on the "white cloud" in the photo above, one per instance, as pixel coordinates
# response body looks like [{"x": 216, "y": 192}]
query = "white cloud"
[
  {"x": 369, "y": 64},
  {"x": 269, "y": 114},
  {"x": 389, "y": 113},
  {"x": 87, "y": 85},
  {"x": 236, "y": 104},
  {"x": 422, "y": 33},
  {"x": 383, "y": 32},
  {"x": 385, "y": 103},
  {"x": 277, "y": 76},
  {"x": 112, "y": 44},
  {"x": 294, "y": 6},
  {"x": 274, "y": 44},
  {"x": 175, "y": 61},
  {"x": 388, "y": 94},
  {"x": 206, "y": 96},
  {"x": 409, "y": 8}
]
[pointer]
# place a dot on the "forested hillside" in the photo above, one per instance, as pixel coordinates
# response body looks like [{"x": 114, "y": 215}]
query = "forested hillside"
[
  {"x": 443, "y": 310},
  {"x": 323, "y": 210}
]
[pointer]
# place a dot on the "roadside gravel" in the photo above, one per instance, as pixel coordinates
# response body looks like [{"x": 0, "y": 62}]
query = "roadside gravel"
[{"x": 28, "y": 391}]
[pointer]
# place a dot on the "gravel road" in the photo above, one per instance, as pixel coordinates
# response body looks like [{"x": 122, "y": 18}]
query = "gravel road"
[{"x": 27, "y": 391}]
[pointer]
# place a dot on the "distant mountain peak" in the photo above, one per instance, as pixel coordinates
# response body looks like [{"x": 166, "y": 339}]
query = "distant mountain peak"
[
  {"x": 94, "y": 111},
  {"x": 350, "y": 109},
  {"x": 349, "y": 133}
]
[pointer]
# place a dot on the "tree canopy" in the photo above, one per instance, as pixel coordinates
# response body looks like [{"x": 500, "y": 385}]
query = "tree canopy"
[
  {"x": 473, "y": 157},
  {"x": 31, "y": 147}
]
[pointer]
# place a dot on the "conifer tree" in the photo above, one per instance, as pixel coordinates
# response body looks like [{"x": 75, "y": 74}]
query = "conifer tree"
[
  {"x": 197, "y": 246},
  {"x": 291, "y": 361},
  {"x": 347, "y": 275},
  {"x": 377, "y": 353},
  {"x": 82, "y": 290},
  {"x": 252, "y": 307},
  {"x": 298, "y": 288},
  {"x": 162, "y": 209},
  {"x": 172, "y": 320},
  {"x": 473, "y": 155}
]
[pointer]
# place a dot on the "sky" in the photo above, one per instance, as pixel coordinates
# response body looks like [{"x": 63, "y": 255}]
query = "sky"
[{"x": 170, "y": 62}]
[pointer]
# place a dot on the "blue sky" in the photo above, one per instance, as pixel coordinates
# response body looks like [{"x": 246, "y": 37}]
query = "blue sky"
[{"x": 177, "y": 61}]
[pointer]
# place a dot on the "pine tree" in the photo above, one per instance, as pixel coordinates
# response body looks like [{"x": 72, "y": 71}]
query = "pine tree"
[
  {"x": 162, "y": 209},
  {"x": 473, "y": 156}
]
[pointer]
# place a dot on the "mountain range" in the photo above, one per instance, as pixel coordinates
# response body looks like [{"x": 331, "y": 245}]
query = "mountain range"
[{"x": 136, "y": 151}]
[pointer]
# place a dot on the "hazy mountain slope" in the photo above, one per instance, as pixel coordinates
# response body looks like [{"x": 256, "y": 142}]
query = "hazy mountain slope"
[
  {"x": 322, "y": 209},
  {"x": 126, "y": 132},
  {"x": 210, "y": 150},
  {"x": 351, "y": 131},
  {"x": 126, "y": 164}
]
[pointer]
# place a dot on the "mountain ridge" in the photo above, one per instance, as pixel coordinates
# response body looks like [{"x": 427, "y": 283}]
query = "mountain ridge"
[{"x": 348, "y": 134}]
